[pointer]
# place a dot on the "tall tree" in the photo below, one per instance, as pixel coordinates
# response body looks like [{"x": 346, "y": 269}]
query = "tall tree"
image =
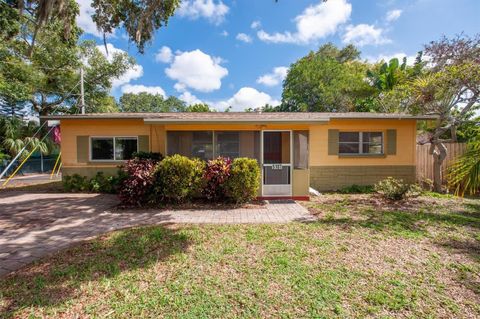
[
  {"x": 48, "y": 79},
  {"x": 146, "y": 102},
  {"x": 198, "y": 108},
  {"x": 140, "y": 19},
  {"x": 450, "y": 91},
  {"x": 329, "y": 80}
]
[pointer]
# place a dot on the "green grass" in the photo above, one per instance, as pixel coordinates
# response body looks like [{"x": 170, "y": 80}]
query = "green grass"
[{"x": 356, "y": 261}]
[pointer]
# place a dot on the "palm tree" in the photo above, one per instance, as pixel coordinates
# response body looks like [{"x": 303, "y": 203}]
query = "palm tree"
[
  {"x": 464, "y": 174},
  {"x": 16, "y": 134}
]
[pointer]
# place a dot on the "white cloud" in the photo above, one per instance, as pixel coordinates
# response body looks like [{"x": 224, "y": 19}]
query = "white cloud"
[
  {"x": 393, "y": 15},
  {"x": 139, "y": 88},
  {"x": 84, "y": 19},
  {"x": 189, "y": 98},
  {"x": 364, "y": 34},
  {"x": 213, "y": 11},
  {"x": 224, "y": 33},
  {"x": 256, "y": 24},
  {"x": 388, "y": 57},
  {"x": 274, "y": 78},
  {"x": 246, "y": 97},
  {"x": 244, "y": 38},
  {"x": 132, "y": 74},
  {"x": 135, "y": 72},
  {"x": 316, "y": 22},
  {"x": 164, "y": 55},
  {"x": 196, "y": 70}
]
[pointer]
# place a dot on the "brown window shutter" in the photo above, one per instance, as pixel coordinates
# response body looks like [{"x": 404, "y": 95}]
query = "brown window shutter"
[
  {"x": 391, "y": 142},
  {"x": 82, "y": 149},
  {"x": 143, "y": 143},
  {"x": 332, "y": 142}
]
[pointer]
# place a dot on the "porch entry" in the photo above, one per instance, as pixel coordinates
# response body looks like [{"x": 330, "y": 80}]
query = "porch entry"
[{"x": 277, "y": 161}]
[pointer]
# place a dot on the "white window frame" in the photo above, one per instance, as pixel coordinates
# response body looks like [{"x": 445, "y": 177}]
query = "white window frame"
[
  {"x": 114, "y": 146},
  {"x": 360, "y": 141}
]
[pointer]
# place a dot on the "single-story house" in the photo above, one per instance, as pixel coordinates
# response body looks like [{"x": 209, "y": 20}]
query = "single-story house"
[{"x": 326, "y": 151}]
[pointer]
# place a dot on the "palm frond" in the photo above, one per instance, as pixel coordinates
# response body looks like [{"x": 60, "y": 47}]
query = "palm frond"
[{"x": 464, "y": 174}]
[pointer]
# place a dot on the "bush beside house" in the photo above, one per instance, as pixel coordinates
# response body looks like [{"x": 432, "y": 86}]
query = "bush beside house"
[
  {"x": 176, "y": 179},
  {"x": 136, "y": 188},
  {"x": 147, "y": 180},
  {"x": 243, "y": 182}
]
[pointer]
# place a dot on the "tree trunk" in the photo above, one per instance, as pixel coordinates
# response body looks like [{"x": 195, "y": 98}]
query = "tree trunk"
[
  {"x": 439, "y": 153},
  {"x": 437, "y": 174}
]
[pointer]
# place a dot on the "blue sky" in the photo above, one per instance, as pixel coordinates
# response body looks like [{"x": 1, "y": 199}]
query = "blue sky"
[{"x": 238, "y": 52}]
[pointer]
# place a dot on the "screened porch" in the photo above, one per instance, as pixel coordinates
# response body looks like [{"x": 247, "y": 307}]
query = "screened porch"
[{"x": 278, "y": 152}]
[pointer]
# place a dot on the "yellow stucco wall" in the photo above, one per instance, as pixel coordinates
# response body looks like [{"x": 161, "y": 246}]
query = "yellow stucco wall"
[
  {"x": 406, "y": 135},
  {"x": 73, "y": 128}
]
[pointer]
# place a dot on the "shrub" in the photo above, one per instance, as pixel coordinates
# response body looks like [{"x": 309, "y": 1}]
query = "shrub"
[
  {"x": 76, "y": 183},
  {"x": 148, "y": 155},
  {"x": 106, "y": 184},
  {"x": 396, "y": 189},
  {"x": 244, "y": 181},
  {"x": 136, "y": 187},
  {"x": 177, "y": 178},
  {"x": 216, "y": 174},
  {"x": 357, "y": 189}
]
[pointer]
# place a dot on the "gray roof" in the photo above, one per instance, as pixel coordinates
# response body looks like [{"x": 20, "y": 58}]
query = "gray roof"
[{"x": 241, "y": 117}]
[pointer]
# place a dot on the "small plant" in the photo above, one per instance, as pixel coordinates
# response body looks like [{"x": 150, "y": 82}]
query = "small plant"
[
  {"x": 357, "y": 189},
  {"x": 244, "y": 181},
  {"x": 106, "y": 184},
  {"x": 216, "y": 174},
  {"x": 176, "y": 179},
  {"x": 76, "y": 183},
  {"x": 396, "y": 189},
  {"x": 136, "y": 187}
]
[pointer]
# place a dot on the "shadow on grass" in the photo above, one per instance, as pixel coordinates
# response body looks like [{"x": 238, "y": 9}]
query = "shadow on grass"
[
  {"x": 56, "y": 280},
  {"x": 408, "y": 223}
]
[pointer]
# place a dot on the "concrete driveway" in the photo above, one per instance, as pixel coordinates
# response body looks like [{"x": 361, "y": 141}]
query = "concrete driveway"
[{"x": 33, "y": 225}]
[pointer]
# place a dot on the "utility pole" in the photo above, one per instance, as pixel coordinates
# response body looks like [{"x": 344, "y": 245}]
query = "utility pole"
[{"x": 82, "y": 93}]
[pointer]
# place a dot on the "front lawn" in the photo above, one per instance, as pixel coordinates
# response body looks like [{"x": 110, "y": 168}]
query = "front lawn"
[{"x": 363, "y": 258}]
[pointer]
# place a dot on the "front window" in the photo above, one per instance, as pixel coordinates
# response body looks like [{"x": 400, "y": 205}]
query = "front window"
[
  {"x": 113, "y": 148},
  {"x": 360, "y": 143}
]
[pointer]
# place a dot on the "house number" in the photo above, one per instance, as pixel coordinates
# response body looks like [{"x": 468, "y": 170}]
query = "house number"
[{"x": 277, "y": 166}]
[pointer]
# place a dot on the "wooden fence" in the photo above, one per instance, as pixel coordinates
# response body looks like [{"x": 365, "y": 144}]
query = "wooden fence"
[{"x": 425, "y": 160}]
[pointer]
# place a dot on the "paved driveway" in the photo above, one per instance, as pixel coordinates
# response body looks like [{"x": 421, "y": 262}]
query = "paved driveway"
[{"x": 34, "y": 225}]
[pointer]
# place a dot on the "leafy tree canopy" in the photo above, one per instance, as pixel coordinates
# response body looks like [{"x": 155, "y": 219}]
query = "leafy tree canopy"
[
  {"x": 329, "y": 80},
  {"x": 140, "y": 19},
  {"x": 449, "y": 89},
  {"x": 47, "y": 79},
  {"x": 199, "y": 107},
  {"x": 147, "y": 102}
]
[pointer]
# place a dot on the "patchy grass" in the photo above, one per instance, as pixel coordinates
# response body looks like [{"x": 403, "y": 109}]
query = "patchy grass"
[{"x": 363, "y": 258}]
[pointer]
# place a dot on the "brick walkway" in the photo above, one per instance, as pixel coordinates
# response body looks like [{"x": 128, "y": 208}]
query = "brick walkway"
[{"x": 34, "y": 225}]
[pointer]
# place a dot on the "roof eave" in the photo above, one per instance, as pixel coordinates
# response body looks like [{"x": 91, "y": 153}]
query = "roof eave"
[{"x": 233, "y": 121}]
